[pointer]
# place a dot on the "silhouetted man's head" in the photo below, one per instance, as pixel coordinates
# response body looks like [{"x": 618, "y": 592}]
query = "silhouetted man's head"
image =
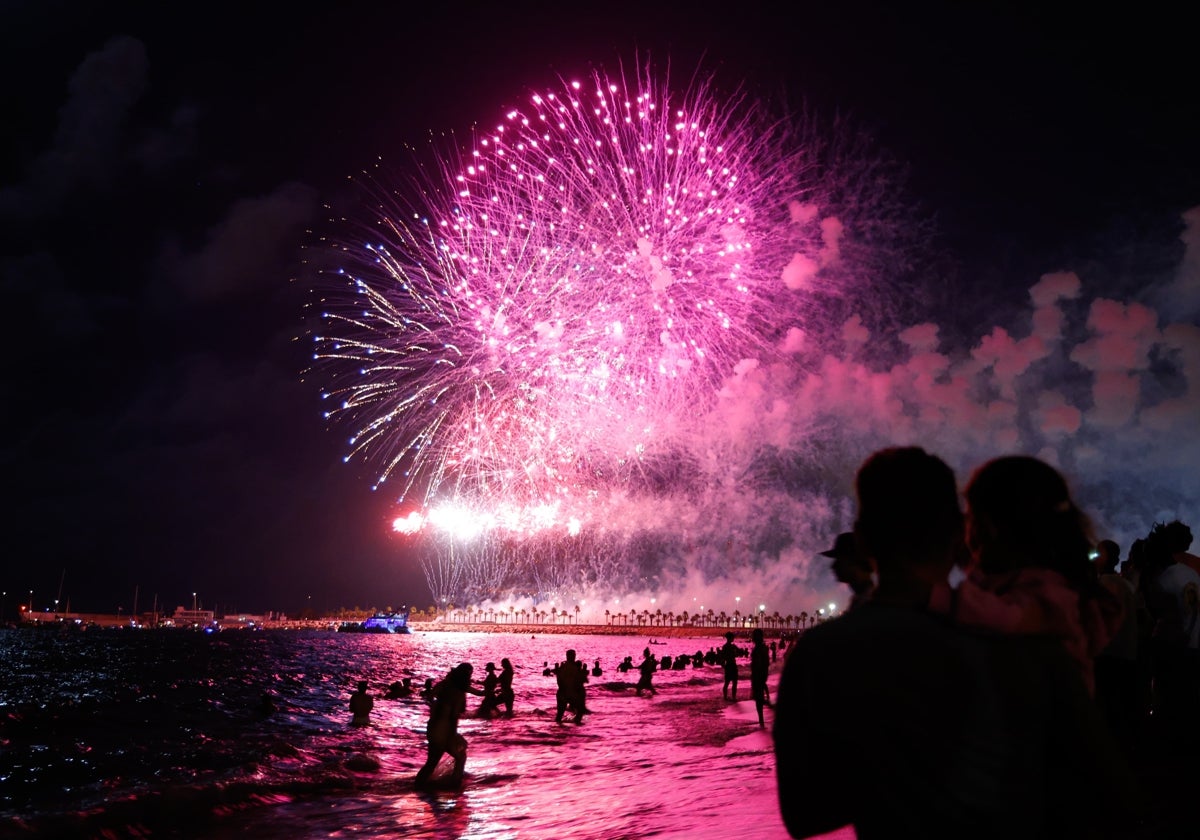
[{"x": 908, "y": 511}]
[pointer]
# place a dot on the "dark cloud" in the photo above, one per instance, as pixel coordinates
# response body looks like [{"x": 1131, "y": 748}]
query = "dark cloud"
[
  {"x": 87, "y": 145},
  {"x": 33, "y": 285},
  {"x": 243, "y": 252},
  {"x": 165, "y": 146}
]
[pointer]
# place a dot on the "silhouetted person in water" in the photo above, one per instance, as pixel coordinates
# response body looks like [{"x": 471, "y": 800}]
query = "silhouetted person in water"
[
  {"x": 647, "y": 668},
  {"x": 760, "y": 663},
  {"x": 401, "y": 689},
  {"x": 491, "y": 684},
  {"x": 728, "y": 658},
  {"x": 572, "y": 692},
  {"x": 925, "y": 728},
  {"x": 447, "y": 704},
  {"x": 505, "y": 696},
  {"x": 596, "y": 669},
  {"x": 361, "y": 704}
]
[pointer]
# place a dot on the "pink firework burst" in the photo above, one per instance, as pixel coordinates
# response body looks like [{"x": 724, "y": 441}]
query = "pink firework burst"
[{"x": 563, "y": 302}]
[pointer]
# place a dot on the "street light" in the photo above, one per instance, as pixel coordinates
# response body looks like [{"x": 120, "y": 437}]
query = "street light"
[
  {"x": 30, "y": 600},
  {"x": 193, "y": 602}
]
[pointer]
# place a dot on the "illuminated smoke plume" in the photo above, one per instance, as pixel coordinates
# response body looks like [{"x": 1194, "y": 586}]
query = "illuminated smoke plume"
[{"x": 633, "y": 343}]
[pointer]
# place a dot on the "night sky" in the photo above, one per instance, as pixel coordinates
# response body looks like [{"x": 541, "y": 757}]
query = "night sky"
[{"x": 163, "y": 166}]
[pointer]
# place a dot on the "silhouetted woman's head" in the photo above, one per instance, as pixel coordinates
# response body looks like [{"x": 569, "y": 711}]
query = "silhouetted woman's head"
[{"x": 1020, "y": 514}]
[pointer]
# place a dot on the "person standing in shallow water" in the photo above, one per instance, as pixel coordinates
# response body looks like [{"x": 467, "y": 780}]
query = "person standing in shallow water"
[
  {"x": 448, "y": 703},
  {"x": 491, "y": 698},
  {"x": 647, "y": 668},
  {"x": 361, "y": 705},
  {"x": 728, "y": 659},
  {"x": 505, "y": 697},
  {"x": 572, "y": 693},
  {"x": 760, "y": 663}
]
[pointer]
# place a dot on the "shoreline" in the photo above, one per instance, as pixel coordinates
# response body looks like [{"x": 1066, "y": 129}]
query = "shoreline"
[
  {"x": 482, "y": 627},
  {"x": 689, "y": 632}
]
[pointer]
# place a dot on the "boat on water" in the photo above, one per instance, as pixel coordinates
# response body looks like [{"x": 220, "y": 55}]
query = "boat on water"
[{"x": 389, "y": 621}]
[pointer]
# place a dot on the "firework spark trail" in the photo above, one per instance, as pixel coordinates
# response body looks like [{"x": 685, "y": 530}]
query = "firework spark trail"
[{"x": 574, "y": 292}]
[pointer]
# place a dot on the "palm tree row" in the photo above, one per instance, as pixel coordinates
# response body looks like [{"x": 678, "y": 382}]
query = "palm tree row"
[
  {"x": 632, "y": 618},
  {"x": 498, "y": 615}
]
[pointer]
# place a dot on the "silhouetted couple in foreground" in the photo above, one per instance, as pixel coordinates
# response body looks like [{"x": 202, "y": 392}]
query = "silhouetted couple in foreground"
[{"x": 923, "y": 712}]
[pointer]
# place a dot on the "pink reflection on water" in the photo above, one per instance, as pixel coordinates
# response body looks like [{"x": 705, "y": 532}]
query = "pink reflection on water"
[{"x": 681, "y": 763}]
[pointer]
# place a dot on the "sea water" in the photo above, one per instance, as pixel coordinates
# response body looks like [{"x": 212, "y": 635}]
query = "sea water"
[{"x": 124, "y": 733}]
